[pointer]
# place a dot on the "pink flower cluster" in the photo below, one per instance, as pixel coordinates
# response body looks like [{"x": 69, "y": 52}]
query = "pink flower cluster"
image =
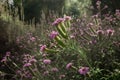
[
  {"x": 42, "y": 48},
  {"x": 28, "y": 60},
  {"x": 53, "y": 34},
  {"x": 59, "y": 20},
  {"x": 83, "y": 70},
  {"x": 24, "y": 73},
  {"x": 5, "y": 57},
  {"x": 67, "y": 18},
  {"x": 69, "y": 65},
  {"x": 100, "y": 32},
  {"x": 109, "y": 32},
  {"x": 118, "y": 13},
  {"x": 32, "y": 39},
  {"x": 54, "y": 69},
  {"x": 47, "y": 61}
]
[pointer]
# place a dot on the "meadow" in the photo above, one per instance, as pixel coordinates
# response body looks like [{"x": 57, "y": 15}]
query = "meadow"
[{"x": 61, "y": 47}]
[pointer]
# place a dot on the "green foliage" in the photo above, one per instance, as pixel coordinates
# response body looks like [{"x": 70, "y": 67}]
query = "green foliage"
[
  {"x": 17, "y": 2},
  {"x": 34, "y": 8},
  {"x": 78, "y": 7}
]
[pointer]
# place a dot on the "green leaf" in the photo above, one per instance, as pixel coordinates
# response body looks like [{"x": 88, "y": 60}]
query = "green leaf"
[
  {"x": 60, "y": 42},
  {"x": 61, "y": 32}
]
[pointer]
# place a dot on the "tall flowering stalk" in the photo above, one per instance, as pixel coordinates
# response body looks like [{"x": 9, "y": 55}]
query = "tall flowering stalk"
[
  {"x": 61, "y": 35},
  {"x": 62, "y": 25}
]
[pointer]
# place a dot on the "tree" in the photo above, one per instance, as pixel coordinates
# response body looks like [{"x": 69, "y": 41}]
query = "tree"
[{"x": 34, "y": 8}]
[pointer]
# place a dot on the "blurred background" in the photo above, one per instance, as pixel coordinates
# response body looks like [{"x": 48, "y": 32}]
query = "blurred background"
[{"x": 33, "y": 9}]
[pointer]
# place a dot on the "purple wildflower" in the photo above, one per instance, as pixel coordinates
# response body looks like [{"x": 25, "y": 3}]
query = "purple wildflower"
[
  {"x": 90, "y": 24},
  {"x": 32, "y": 39},
  {"x": 72, "y": 36},
  {"x": 54, "y": 70},
  {"x": 4, "y": 59},
  {"x": 110, "y": 32},
  {"x": 44, "y": 55},
  {"x": 42, "y": 48},
  {"x": 53, "y": 34},
  {"x": 46, "y": 61},
  {"x": 117, "y": 13},
  {"x": 27, "y": 74},
  {"x": 46, "y": 73},
  {"x": 32, "y": 60},
  {"x": 57, "y": 21},
  {"x": 8, "y": 54},
  {"x": 99, "y": 32},
  {"x": 83, "y": 70},
  {"x": 98, "y": 2},
  {"x": 67, "y": 18},
  {"x": 18, "y": 72},
  {"x": 61, "y": 76},
  {"x": 93, "y": 42},
  {"x": 28, "y": 60},
  {"x": 27, "y": 65},
  {"x": 69, "y": 65}
]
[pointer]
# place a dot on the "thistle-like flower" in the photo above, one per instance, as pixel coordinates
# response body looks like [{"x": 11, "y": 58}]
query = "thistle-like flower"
[{"x": 83, "y": 70}]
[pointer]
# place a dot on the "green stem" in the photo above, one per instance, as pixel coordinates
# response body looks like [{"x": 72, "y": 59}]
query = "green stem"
[{"x": 85, "y": 58}]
